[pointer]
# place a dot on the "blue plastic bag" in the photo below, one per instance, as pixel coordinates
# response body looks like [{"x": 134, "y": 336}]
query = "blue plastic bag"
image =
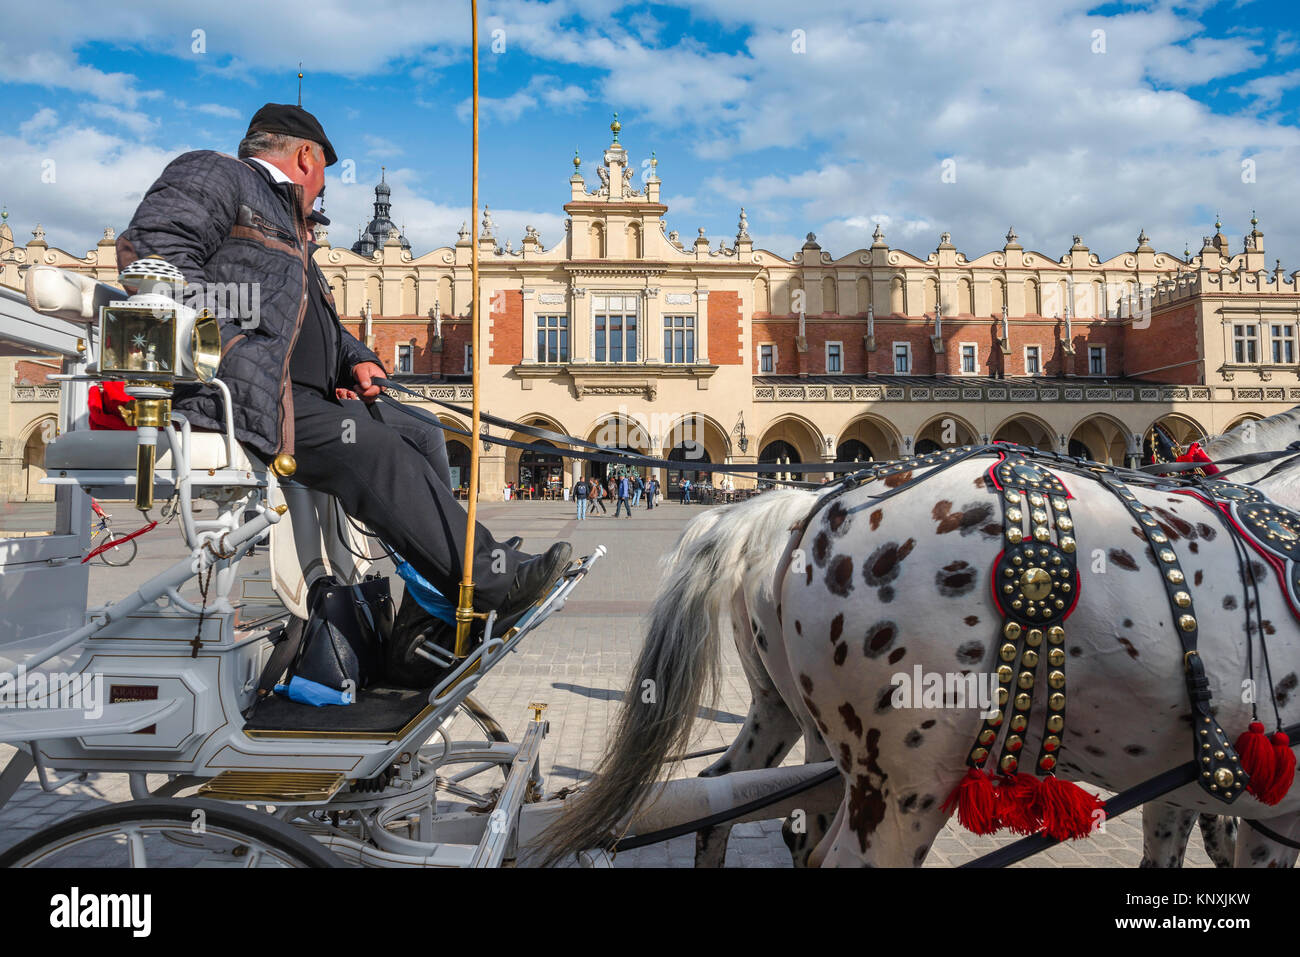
[
  {"x": 425, "y": 595},
  {"x": 313, "y": 693}
]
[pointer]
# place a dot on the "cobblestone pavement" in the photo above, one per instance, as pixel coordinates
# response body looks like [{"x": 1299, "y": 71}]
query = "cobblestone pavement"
[{"x": 578, "y": 663}]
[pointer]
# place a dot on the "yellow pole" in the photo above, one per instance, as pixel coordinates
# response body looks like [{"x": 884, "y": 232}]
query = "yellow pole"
[{"x": 465, "y": 607}]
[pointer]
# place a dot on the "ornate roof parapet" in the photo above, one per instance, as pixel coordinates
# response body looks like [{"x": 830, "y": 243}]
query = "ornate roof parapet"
[
  {"x": 744, "y": 244},
  {"x": 1012, "y": 240},
  {"x": 878, "y": 238}
]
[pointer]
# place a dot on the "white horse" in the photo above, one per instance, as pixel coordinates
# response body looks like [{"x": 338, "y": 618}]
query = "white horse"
[{"x": 723, "y": 572}]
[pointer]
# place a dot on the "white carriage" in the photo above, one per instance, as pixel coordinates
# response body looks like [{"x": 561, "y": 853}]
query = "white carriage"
[{"x": 380, "y": 782}]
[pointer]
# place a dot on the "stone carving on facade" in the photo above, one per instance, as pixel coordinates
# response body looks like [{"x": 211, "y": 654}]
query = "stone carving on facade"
[{"x": 487, "y": 223}]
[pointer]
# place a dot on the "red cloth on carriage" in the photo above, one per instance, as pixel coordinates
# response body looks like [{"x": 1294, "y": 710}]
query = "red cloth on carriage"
[{"x": 106, "y": 401}]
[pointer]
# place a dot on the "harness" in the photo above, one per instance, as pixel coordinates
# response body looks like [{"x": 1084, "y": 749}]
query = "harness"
[{"x": 1036, "y": 586}]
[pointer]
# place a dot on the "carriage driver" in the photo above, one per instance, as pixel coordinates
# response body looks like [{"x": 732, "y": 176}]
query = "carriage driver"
[{"x": 295, "y": 373}]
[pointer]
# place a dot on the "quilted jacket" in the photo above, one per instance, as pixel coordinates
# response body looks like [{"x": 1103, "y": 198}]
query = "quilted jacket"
[{"x": 221, "y": 221}]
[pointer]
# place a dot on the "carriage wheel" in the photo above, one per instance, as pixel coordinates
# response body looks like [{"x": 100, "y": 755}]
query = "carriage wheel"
[{"x": 167, "y": 833}]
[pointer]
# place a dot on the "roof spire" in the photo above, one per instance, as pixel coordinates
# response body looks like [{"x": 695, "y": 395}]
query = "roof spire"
[
  {"x": 615, "y": 127},
  {"x": 300, "y": 83}
]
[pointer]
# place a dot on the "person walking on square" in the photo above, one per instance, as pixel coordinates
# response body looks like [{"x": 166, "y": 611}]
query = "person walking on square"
[
  {"x": 686, "y": 491},
  {"x": 597, "y": 495},
  {"x": 624, "y": 489},
  {"x": 638, "y": 487},
  {"x": 651, "y": 487},
  {"x": 581, "y": 490}
]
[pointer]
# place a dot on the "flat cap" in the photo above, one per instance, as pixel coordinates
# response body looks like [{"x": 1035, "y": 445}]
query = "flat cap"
[{"x": 292, "y": 121}]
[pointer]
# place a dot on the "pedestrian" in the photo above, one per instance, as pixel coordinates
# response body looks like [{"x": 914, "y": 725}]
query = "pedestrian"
[
  {"x": 651, "y": 488},
  {"x": 581, "y": 490},
  {"x": 624, "y": 490},
  {"x": 638, "y": 487},
  {"x": 598, "y": 495},
  {"x": 686, "y": 491}
]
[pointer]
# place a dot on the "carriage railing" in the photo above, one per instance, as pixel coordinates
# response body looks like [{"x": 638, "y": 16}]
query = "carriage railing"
[{"x": 447, "y": 695}]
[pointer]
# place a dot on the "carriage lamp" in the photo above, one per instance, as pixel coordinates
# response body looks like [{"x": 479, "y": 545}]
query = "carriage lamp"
[{"x": 152, "y": 341}]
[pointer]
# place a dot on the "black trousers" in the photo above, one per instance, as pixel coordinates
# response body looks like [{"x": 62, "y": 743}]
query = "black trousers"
[{"x": 390, "y": 472}]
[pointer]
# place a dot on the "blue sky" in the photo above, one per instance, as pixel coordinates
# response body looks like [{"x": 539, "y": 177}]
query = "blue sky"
[{"x": 1061, "y": 118}]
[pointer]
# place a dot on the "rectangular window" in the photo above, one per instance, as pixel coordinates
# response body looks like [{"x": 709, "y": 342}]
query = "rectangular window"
[
  {"x": 902, "y": 358},
  {"x": 1033, "y": 360},
  {"x": 679, "y": 339},
  {"x": 968, "y": 358},
  {"x": 1245, "y": 338},
  {"x": 1096, "y": 360},
  {"x": 615, "y": 324},
  {"x": 552, "y": 339},
  {"x": 469, "y": 359},
  {"x": 834, "y": 357},
  {"x": 1283, "y": 337},
  {"x": 403, "y": 363},
  {"x": 766, "y": 358}
]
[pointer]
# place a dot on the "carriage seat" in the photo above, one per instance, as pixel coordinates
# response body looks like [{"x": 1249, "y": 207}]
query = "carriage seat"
[
  {"x": 104, "y": 451},
  {"x": 312, "y": 540}
]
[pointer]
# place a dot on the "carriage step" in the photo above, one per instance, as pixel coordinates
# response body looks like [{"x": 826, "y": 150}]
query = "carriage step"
[{"x": 273, "y": 787}]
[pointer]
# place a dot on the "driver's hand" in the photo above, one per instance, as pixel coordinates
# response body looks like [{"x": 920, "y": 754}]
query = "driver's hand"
[{"x": 363, "y": 372}]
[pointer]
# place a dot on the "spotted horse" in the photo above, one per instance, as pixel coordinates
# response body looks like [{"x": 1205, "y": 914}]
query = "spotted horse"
[{"x": 887, "y": 584}]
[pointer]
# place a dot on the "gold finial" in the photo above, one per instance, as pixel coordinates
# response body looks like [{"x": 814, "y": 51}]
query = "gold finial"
[
  {"x": 577, "y": 160},
  {"x": 284, "y": 465},
  {"x": 615, "y": 127},
  {"x": 300, "y": 83}
]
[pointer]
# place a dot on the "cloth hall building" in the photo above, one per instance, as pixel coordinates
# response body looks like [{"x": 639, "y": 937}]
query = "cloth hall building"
[{"x": 709, "y": 350}]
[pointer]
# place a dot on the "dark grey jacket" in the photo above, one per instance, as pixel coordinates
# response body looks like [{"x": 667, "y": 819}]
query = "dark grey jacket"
[{"x": 220, "y": 221}]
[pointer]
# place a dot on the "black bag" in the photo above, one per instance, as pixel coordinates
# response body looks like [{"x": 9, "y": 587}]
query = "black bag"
[{"x": 344, "y": 638}]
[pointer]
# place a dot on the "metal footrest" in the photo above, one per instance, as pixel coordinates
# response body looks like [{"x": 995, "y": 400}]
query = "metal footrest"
[{"x": 273, "y": 787}]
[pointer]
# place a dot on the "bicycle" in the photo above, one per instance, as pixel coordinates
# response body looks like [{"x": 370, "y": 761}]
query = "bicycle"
[{"x": 112, "y": 548}]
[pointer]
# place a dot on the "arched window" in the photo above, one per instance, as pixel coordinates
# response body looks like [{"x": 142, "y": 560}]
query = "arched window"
[
  {"x": 965, "y": 300},
  {"x": 538, "y": 467},
  {"x": 1032, "y": 305},
  {"x": 854, "y": 450},
  {"x": 408, "y": 295},
  {"x": 762, "y": 298},
  {"x": 864, "y": 294},
  {"x": 997, "y": 296},
  {"x": 931, "y": 296},
  {"x": 830, "y": 303},
  {"x": 692, "y": 455},
  {"x": 634, "y": 250},
  {"x": 597, "y": 241},
  {"x": 896, "y": 303},
  {"x": 780, "y": 453},
  {"x": 458, "y": 459}
]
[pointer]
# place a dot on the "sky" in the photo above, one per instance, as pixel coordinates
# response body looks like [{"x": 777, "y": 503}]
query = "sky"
[{"x": 1061, "y": 118}]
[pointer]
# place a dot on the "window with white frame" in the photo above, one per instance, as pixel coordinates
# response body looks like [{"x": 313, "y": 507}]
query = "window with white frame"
[
  {"x": 403, "y": 361},
  {"x": 1033, "y": 360},
  {"x": 1245, "y": 342},
  {"x": 679, "y": 339},
  {"x": 767, "y": 357},
  {"x": 552, "y": 339},
  {"x": 614, "y": 324},
  {"x": 902, "y": 358},
  {"x": 469, "y": 359},
  {"x": 1096, "y": 360},
  {"x": 1282, "y": 336},
  {"x": 834, "y": 357},
  {"x": 969, "y": 357}
]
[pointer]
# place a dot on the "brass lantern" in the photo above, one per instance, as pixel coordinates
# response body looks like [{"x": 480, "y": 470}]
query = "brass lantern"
[{"x": 153, "y": 340}]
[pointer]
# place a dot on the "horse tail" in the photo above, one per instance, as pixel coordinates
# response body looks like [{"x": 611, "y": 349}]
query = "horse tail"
[{"x": 679, "y": 664}]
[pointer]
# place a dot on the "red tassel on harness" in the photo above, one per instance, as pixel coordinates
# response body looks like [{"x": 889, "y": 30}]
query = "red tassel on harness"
[
  {"x": 1019, "y": 804},
  {"x": 976, "y": 802},
  {"x": 1195, "y": 453},
  {"x": 1069, "y": 811},
  {"x": 1257, "y": 759},
  {"x": 1283, "y": 770}
]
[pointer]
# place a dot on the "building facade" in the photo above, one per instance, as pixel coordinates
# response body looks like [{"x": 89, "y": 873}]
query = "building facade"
[{"x": 711, "y": 351}]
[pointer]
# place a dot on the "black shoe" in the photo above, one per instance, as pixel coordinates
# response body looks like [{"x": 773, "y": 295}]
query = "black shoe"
[
  {"x": 514, "y": 543},
  {"x": 534, "y": 578}
]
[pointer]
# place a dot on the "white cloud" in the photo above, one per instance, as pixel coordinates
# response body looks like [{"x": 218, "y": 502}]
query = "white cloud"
[
  {"x": 133, "y": 121},
  {"x": 43, "y": 119},
  {"x": 218, "y": 110}
]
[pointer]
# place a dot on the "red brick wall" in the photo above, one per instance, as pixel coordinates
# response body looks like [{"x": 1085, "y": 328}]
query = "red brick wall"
[
  {"x": 506, "y": 328},
  {"x": 1171, "y": 338},
  {"x": 724, "y": 328},
  {"x": 983, "y": 332},
  {"x": 27, "y": 372}
]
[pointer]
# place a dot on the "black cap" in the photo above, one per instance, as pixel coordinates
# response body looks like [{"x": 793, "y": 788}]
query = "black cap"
[{"x": 292, "y": 121}]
